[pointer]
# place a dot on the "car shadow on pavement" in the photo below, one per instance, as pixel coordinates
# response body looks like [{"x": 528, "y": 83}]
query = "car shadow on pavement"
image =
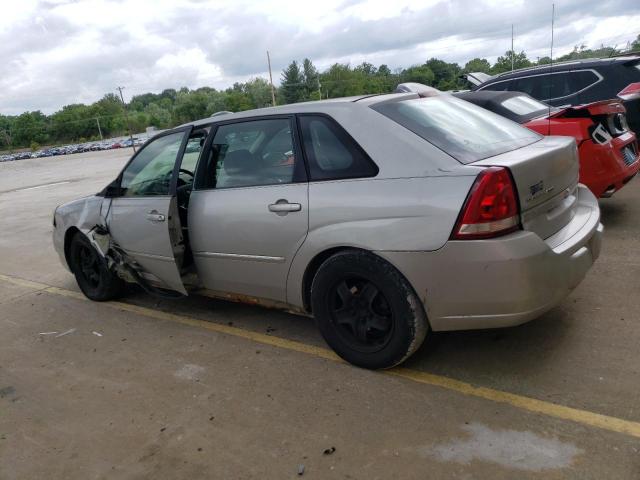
[
  {"x": 614, "y": 214},
  {"x": 487, "y": 357},
  {"x": 494, "y": 357}
]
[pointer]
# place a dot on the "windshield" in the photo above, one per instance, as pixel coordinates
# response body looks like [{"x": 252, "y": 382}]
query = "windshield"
[
  {"x": 522, "y": 105},
  {"x": 465, "y": 131}
]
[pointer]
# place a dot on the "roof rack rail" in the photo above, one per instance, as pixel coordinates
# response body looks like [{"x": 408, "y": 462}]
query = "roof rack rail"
[{"x": 222, "y": 112}]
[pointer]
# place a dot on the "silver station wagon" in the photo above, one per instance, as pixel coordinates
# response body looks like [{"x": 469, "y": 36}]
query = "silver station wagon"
[{"x": 382, "y": 216}]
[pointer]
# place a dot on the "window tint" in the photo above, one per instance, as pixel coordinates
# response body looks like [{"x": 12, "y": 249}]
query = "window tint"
[
  {"x": 463, "y": 130},
  {"x": 503, "y": 86},
  {"x": 258, "y": 152},
  {"x": 555, "y": 85},
  {"x": 150, "y": 172},
  {"x": 582, "y": 79},
  {"x": 331, "y": 152},
  {"x": 192, "y": 152}
]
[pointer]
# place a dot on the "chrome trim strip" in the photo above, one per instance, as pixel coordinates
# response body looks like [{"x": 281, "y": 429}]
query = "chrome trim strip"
[
  {"x": 151, "y": 256},
  {"x": 237, "y": 256},
  {"x": 600, "y": 78}
]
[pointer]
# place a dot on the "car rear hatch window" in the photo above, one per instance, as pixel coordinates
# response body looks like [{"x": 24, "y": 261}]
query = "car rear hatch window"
[
  {"x": 525, "y": 106},
  {"x": 465, "y": 131}
]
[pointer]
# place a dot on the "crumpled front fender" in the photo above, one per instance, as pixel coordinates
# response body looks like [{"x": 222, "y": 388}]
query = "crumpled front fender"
[{"x": 82, "y": 214}]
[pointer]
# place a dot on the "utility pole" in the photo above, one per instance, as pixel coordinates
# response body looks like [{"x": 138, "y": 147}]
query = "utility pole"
[
  {"x": 319, "y": 90},
  {"x": 126, "y": 116},
  {"x": 273, "y": 92},
  {"x": 99, "y": 129},
  {"x": 512, "y": 52}
]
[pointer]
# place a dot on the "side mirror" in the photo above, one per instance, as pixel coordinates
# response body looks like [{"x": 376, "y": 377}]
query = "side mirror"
[{"x": 112, "y": 190}]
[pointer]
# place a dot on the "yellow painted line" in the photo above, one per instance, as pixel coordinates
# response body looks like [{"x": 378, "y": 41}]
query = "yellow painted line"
[{"x": 522, "y": 402}]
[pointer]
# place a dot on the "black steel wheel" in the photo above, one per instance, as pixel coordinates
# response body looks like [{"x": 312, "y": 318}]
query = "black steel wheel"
[
  {"x": 89, "y": 264},
  {"x": 361, "y": 314},
  {"x": 94, "y": 278},
  {"x": 366, "y": 310}
]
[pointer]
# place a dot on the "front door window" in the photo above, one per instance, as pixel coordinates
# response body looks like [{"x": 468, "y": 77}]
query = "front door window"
[{"x": 150, "y": 172}]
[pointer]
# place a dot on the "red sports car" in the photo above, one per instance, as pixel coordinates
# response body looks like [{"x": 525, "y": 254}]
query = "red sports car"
[{"x": 608, "y": 148}]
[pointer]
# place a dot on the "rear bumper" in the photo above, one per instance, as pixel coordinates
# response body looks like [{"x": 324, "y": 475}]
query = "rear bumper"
[
  {"x": 505, "y": 281},
  {"x": 603, "y": 168}
]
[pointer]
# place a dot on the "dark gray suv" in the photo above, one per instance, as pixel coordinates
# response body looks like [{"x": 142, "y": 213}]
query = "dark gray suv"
[{"x": 573, "y": 83}]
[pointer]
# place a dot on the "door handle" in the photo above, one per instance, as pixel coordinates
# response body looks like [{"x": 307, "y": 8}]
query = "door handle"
[
  {"x": 283, "y": 206},
  {"x": 154, "y": 216}
]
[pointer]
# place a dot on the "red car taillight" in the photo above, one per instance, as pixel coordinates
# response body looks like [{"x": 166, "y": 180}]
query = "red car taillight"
[
  {"x": 491, "y": 208},
  {"x": 630, "y": 92}
]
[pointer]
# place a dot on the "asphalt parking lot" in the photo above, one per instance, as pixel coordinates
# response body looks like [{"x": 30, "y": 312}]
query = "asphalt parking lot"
[{"x": 202, "y": 388}]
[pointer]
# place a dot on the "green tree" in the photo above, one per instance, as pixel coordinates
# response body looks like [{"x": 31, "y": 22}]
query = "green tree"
[
  {"x": 477, "y": 65},
  {"x": 311, "y": 80},
  {"x": 158, "y": 116},
  {"x": 259, "y": 92},
  {"x": 504, "y": 62},
  {"x": 110, "y": 110},
  {"x": 236, "y": 100},
  {"x": 292, "y": 84},
  {"x": 340, "y": 81},
  {"x": 216, "y": 102},
  {"x": 188, "y": 106},
  {"x": 446, "y": 75},
  {"x": 30, "y": 127},
  {"x": 418, "y": 73},
  {"x": 384, "y": 70}
]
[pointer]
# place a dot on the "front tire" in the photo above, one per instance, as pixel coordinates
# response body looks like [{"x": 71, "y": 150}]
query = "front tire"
[
  {"x": 94, "y": 278},
  {"x": 366, "y": 310}
]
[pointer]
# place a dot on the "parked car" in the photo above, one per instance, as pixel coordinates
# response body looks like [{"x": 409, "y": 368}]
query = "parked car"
[
  {"x": 607, "y": 149},
  {"x": 382, "y": 216},
  {"x": 575, "y": 82}
]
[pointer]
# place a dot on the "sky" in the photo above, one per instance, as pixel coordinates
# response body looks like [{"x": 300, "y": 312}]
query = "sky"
[{"x": 58, "y": 52}]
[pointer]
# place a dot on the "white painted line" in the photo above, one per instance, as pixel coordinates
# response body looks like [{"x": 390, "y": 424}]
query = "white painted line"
[
  {"x": 97, "y": 334},
  {"x": 47, "y": 333},
  {"x": 71, "y": 330},
  {"x": 42, "y": 186}
]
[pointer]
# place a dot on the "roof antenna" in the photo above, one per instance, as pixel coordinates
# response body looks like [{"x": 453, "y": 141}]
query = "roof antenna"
[
  {"x": 513, "y": 54},
  {"x": 553, "y": 14}
]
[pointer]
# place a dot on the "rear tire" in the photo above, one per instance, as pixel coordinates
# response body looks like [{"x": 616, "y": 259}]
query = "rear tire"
[
  {"x": 366, "y": 310},
  {"x": 94, "y": 278}
]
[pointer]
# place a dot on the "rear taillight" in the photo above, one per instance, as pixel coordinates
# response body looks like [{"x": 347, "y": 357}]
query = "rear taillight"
[
  {"x": 491, "y": 208},
  {"x": 630, "y": 92}
]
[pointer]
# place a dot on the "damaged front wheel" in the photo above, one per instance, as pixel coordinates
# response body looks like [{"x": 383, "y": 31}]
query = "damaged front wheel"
[{"x": 94, "y": 278}]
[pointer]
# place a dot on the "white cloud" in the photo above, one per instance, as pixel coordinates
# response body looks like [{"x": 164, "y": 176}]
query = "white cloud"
[{"x": 57, "y": 52}]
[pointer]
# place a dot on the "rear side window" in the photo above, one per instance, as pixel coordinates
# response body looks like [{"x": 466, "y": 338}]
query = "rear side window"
[
  {"x": 555, "y": 85},
  {"x": 582, "y": 79},
  {"x": 331, "y": 153},
  {"x": 503, "y": 86},
  {"x": 463, "y": 130},
  {"x": 250, "y": 153}
]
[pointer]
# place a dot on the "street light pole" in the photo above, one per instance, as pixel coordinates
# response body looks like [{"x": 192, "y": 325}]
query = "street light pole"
[{"x": 126, "y": 116}]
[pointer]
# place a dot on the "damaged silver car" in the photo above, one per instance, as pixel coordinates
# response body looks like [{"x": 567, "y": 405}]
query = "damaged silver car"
[{"x": 382, "y": 216}]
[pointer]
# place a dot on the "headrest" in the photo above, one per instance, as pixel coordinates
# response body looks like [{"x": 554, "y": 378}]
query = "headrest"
[{"x": 240, "y": 162}]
